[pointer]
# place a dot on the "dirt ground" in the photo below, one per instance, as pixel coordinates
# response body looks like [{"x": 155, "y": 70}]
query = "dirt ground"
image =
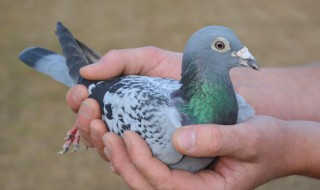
[{"x": 33, "y": 113}]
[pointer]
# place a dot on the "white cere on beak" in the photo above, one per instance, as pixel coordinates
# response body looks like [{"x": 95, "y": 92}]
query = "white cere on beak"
[{"x": 244, "y": 54}]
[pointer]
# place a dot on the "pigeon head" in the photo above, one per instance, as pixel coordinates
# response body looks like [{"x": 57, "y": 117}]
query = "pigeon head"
[
  {"x": 215, "y": 49},
  {"x": 208, "y": 57}
]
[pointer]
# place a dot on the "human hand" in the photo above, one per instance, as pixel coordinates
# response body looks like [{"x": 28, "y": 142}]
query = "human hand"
[
  {"x": 165, "y": 64},
  {"x": 147, "y": 61},
  {"x": 250, "y": 154}
]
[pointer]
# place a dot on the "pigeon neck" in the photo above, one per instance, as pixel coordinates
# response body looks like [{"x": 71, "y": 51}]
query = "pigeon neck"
[{"x": 211, "y": 99}]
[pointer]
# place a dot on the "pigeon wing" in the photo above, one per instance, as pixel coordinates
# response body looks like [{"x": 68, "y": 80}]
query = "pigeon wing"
[{"x": 142, "y": 104}]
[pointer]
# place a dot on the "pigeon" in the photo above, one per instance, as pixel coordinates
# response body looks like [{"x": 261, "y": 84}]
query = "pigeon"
[{"x": 155, "y": 107}]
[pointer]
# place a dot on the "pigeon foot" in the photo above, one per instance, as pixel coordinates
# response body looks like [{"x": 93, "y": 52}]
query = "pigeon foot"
[{"x": 73, "y": 137}]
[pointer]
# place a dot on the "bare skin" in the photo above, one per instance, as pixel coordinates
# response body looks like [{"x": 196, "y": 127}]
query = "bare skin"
[{"x": 251, "y": 153}]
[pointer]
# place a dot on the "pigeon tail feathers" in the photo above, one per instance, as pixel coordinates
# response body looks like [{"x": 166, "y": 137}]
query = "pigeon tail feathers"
[
  {"x": 47, "y": 62},
  {"x": 91, "y": 55},
  {"x": 62, "y": 69},
  {"x": 75, "y": 58}
]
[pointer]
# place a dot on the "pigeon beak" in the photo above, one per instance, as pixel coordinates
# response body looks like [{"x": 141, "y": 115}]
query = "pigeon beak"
[{"x": 246, "y": 59}]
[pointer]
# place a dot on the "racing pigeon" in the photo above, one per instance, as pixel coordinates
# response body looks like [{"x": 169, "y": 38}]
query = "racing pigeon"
[{"x": 155, "y": 107}]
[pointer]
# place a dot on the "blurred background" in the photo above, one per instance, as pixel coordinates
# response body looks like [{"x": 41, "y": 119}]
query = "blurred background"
[{"x": 34, "y": 116}]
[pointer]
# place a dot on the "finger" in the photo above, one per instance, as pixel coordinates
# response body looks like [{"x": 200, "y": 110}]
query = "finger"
[
  {"x": 150, "y": 167},
  {"x": 159, "y": 175},
  {"x": 75, "y": 96},
  {"x": 97, "y": 130},
  {"x": 116, "y": 151},
  {"x": 89, "y": 110},
  {"x": 115, "y": 63},
  {"x": 239, "y": 141}
]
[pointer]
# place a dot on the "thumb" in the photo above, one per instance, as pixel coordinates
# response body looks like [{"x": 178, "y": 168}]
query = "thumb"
[
  {"x": 216, "y": 140},
  {"x": 115, "y": 63}
]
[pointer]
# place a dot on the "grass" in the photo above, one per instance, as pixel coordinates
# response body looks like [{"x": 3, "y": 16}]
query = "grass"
[{"x": 33, "y": 113}]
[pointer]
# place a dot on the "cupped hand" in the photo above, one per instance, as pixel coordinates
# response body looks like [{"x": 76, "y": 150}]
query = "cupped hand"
[
  {"x": 147, "y": 61},
  {"x": 250, "y": 154}
]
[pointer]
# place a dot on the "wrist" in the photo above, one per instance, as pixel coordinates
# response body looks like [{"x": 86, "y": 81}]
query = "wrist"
[
  {"x": 303, "y": 152},
  {"x": 278, "y": 92}
]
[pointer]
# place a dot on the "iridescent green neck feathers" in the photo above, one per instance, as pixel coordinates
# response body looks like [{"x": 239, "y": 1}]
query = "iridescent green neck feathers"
[{"x": 210, "y": 101}]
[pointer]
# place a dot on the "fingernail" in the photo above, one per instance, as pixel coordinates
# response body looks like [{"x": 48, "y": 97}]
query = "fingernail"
[
  {"x": 86, "y": 110},
  {"x": 106, "y": 152},
  {"x": 127, "y": 140},
  {"x": 94, "y": 133},
  {"x": 93, "y": 65},
  {"x": 94, "y": 130},
  {"x": 89, "y": 66},
  {"x": 107, "y": 149},
  {"x": 187, "y": 138},
  {"x": 113, "y": 170},
  {"x": 77, "y": 96}
]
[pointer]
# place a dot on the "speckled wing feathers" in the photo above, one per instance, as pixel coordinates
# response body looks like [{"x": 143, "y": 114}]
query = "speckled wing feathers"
[{"x": 143, "y": 104}]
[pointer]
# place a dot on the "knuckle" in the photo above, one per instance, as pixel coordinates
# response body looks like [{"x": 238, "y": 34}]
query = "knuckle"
[
  {"x": 68, "y": 96},
  {"x": 149, "y": 51},
  {"x": 216, "y": 140},
  {"x": 136, "y": 161},
  {"x": 259, "y": 136},
  {"x": 87, "y": 142},
  {"x": 163, "y": 184},
  {"x": 253, "y": 143},
  {"x": 112, "y": 54},
  {"x": 253, "y": 151},
  {"x": 116, "y": 167},
  {"x": 83, "y": 123},
  {"x": 102, "y": 155},
  {"x": 73, "y": 105}
]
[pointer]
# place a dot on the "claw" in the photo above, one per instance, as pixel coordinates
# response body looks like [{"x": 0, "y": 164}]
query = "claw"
[
  {"x": 66, "y": 146},
  {"x": 73, "y": 137},
  {"x": 75, "y": 148},
  {"x": 68, "y": 137},
  {"x": 63, "y": 151}
]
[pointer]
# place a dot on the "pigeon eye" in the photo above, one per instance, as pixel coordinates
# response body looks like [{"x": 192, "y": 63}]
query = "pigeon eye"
[{"x": 220, "y": 44}]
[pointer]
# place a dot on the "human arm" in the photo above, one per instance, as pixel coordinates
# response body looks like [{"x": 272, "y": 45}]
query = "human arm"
[{"x": 291, "y": 93}]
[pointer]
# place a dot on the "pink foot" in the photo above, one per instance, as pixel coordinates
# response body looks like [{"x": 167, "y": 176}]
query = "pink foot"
[{"x": 73, "y": 137}]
